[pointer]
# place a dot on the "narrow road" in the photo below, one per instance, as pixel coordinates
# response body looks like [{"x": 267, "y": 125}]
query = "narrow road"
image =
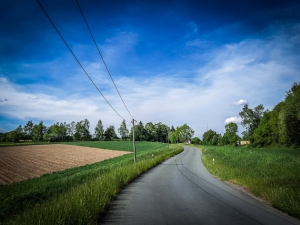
[{"x": 182, "y": 191}]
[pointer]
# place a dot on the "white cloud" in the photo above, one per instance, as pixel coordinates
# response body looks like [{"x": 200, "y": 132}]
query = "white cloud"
[
  {"x": 233, "y": 119},
  {"x": 241, "y": 102}
]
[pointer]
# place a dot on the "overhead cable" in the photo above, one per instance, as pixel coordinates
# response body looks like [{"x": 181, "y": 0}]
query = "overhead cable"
[
  {"x": 101, "y": 56},
  {"x": 76, "y": 58}
]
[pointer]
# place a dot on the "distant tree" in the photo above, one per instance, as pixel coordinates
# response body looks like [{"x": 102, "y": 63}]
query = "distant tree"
[
  {"x": 207, "y": 138},
  {"x": 11, "y": 136},
  {"x": 110, "y": 133},
  {"x": 174, "y": 136},
  {"x": 56, "y": 132},
  {"x": 185, "y": 132},
  {"x": 231, "y": 130},
  {"x": 38, "y": 131},
  {"x": 263, "y": 134},
  {"x": 150, "y": 132},
  {"x": 215, "y": 139},
  {"x": 28, "y": 129},
  {"x": 19, "y": 133},
  {"x": 251, "y": 119},
  {"x": 162, "y": 132},
  {"x": 72, "y": 129},
  {"x": 172, "y": 129},
  {"x": 99, "y": 130},
  {"x": 196, "y": 141},
  {"x": 139, "y": 132},
  {"x": 82, "y": 130},
  {"x": 123, "y": 131},
  {"x": 291, "y": 116},
  {"x": 277, "y": 124}
]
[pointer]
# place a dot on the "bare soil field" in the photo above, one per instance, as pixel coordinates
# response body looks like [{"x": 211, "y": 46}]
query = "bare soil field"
[{"x": 19, "y": 163}]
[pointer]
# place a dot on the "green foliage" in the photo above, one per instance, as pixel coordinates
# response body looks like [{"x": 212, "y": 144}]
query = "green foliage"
[
  {"x": 263, "y": 134},
  {"x": 82, "y": 130},
  {"x": 139, "y": 132},
  {"x": 110, "y": 133},
  {"x": 123, "y": 131},
  {"x": 185, "y": 132},
  {"x": 150, "y": 129},
  {"x": 99, "y": 131},
  {"x": 230, "y": 136},
  {"x": 181, "y": 134},
  {"x": 291, "y": 117},
  {"x": 251, "y": 119},
  {"x": 196, "y": 141},
  {"x": 79, "y": 194},
  {"x": 282, "y": 124},
  {"x": 38, "y": 131},
  {"x": 208, "y": 137},
  {"x": 272, "y": 174}
]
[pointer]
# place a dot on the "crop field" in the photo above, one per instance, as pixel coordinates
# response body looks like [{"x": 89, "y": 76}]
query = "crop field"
[{"x": 19, "y": 163}]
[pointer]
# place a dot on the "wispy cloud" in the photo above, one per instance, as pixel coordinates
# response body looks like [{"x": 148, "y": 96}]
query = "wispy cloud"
[
  {"x": 3, "y": 99},
  {"x": 233, "y": 119},
  {"x": 240, "y": 102}
]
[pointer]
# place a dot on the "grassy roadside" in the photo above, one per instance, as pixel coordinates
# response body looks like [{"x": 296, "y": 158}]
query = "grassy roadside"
[
  {"x": 77, "y": 195},
  {"x": 272, "y": 174}
]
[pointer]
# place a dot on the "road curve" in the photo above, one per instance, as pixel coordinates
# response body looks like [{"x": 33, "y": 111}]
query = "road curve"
[{"x": 182, "y": 191}]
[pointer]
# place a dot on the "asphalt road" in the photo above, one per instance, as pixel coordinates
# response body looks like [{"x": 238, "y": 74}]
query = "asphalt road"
[{"x": 182, "y": 191}]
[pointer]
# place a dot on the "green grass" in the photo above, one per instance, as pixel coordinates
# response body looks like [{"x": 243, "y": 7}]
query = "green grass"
[
  {"x": 272, "y": 174},
  {"x": 119, "y": 145},
  {"x": 77, "y": 195}
]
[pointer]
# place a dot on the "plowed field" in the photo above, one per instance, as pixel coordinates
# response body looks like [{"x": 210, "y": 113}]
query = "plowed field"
[{"x": 23, "y": 162}]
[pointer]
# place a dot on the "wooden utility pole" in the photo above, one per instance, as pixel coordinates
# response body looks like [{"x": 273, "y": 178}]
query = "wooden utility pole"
[{"x": 133, "y": 139}]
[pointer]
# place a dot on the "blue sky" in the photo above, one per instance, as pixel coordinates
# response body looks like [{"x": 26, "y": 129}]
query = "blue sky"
[{"x": 173, "y": 62}]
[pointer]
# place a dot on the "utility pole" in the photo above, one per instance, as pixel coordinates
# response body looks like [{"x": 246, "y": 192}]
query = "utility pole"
[
  {"x": 133, "y": 140},
  {"x": 168, "y": 142}
]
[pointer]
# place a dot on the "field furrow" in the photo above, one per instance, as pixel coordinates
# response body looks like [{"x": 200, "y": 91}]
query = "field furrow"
[{"x": 23, "y": 162}]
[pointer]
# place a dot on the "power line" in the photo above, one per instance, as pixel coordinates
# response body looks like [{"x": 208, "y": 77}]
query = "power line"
[
  {"x": 76, "y": 57},
  {"x": 102, "y": 56}
]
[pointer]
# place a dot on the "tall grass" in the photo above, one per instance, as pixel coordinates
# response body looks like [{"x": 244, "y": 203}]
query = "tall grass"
[
  {"x": 74, "y": 196},
  {"x": 272, "y": 174}
]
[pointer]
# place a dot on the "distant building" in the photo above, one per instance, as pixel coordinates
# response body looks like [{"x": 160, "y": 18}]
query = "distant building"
[
  {"x": 243, "y": 143},
  {"x": 187, "y": 142}
]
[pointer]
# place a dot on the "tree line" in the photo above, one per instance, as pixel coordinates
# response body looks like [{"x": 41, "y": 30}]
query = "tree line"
[
  {"x": 80, "y": 131},
  {"x": 278, "y": 127}
]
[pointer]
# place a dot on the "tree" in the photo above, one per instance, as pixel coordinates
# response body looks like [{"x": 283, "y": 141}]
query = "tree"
[
  {"x": 162, "y": 132},
  {"x": 139, "y": 132},
  {"x": 99, "y": 131},
  {"x": 185, "y": 132},
  {"x": 72, "y": 129},
  {"x": 263, "y": 134},
  {"x": 28, "y": 130},
  {"x": 57, "y": 132},
  {"x": 207, "y": 138},
  {"x": 38, "y": 131},
  {"x": 150, "y": 132},
  {"x": 110, "y": 133},
  {"x": 251, "y": 119},
  {"x": 82, "y": 130},
  {"x": 174, "y": 136},
  {"x": 196, "y": 141},
  {"x": 230, "y": 133},
  {"x": 123, "y": 131},
  {"x": 291, "y": 116}
]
